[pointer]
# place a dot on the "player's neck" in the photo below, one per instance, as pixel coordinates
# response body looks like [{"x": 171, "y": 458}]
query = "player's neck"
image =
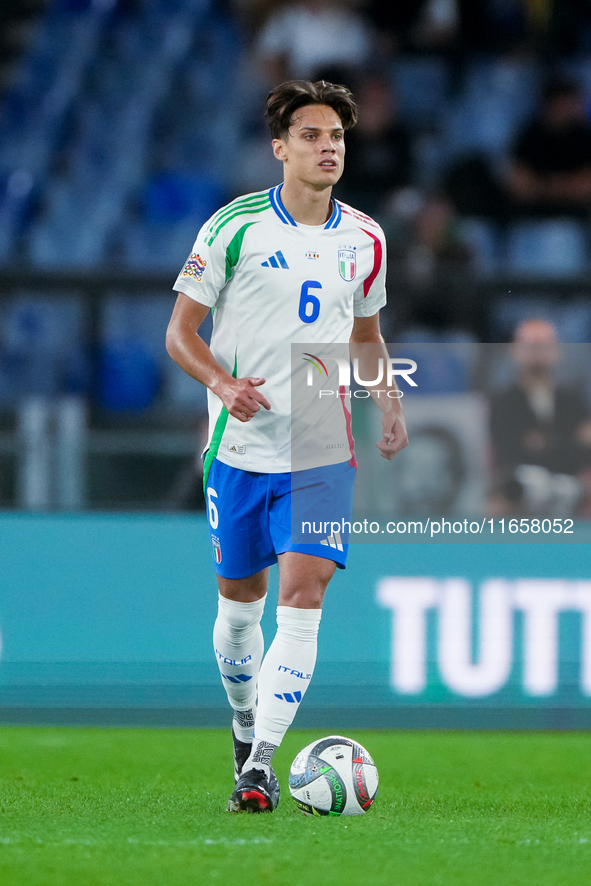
[{"x": 305, "y": 205}]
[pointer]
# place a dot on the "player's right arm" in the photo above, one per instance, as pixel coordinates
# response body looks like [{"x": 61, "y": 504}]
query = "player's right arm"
[{"x": 240, "y": 396}]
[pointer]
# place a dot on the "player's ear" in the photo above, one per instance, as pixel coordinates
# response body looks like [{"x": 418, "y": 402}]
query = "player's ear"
[{"x": 279, "y": 148}]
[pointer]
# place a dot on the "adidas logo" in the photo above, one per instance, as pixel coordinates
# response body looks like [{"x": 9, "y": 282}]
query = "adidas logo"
[
  {"x": 333, "y": 541},
  {"x": 291, "y": 697},
  {"x": 276, "y": 261}
]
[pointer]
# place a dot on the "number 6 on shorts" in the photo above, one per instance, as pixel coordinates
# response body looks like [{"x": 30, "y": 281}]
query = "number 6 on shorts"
[{"x": 212, "y": 511}]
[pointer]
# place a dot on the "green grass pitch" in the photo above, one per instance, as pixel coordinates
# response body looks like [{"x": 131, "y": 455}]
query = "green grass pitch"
[{"x": 116, "y": 807}]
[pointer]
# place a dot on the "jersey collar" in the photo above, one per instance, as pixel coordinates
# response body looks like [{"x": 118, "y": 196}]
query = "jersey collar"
[
  {"x": 335, "y": 218},
  {"x": 288, "y": 220}
]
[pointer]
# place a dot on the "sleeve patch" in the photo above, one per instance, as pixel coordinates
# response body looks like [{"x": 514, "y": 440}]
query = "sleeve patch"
[{"x": 195, "y": 267}]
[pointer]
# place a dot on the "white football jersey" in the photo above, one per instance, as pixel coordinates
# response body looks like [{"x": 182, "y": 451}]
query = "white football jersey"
[{"x": 273, "y": 283}]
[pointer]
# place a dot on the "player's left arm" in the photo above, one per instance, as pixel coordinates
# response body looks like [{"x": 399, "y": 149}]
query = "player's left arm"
[{"x": 367, "y": 346}]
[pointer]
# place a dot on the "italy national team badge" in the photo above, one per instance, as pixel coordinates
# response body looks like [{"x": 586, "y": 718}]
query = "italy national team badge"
[
  {"x": 347, "y": 264},
  {"x": 194, "y": 267},
  {"x": 217, "y": 549}
]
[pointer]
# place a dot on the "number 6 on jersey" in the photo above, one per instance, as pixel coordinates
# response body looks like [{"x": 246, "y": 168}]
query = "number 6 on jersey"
[{"x": 309, "y": 304}]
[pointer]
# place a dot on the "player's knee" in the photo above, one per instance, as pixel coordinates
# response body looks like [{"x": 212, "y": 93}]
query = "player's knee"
[
  {"x": 309, "y": 597},
  {"x": 244, "y": 590}
]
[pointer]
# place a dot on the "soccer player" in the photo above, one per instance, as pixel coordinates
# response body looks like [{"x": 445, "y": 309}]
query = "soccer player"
[{"x": 287, "y": 265}]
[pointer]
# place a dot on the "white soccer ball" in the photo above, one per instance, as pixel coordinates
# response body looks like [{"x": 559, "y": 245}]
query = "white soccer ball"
[{"x": 333, "y": 776}]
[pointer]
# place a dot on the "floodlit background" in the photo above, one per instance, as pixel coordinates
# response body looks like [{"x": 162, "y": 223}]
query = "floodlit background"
[{"x": 123, "y": 125}]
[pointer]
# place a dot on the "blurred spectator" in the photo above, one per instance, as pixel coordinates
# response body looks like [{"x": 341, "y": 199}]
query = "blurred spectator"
[
  {"x": 549, "y": 168},
  {"x": 437, "y": 245},
  {"x": 540, "y": 431},
  {"x": 414, "y": 24},
  {"x": 473, "y": 186},
  {"x": 558, "y": 27},
  {"x": 427, "y": 250},
  {"x": 515, "y": 24},
  {"x": 252, "y": 14},
  {"x": 546, "y": 27},
  {"x": 437, "y": 25},
  {"x": 378, "y": 150},
  {"x": 550, "y": 165},
  {"x": 301, "y": 38}
]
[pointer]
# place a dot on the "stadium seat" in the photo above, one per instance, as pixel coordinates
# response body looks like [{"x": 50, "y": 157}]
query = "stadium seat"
[
  {"x": 482, "y": 237},
  {"x": 498, "y": 96},
  {"x": 547, "y": 246},
  {"x": 572, "y": 317},
  {"x": 422, "y": 84}
]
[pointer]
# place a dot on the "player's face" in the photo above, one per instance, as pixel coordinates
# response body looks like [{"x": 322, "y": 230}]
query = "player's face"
[{"x": 314, "y": 151}]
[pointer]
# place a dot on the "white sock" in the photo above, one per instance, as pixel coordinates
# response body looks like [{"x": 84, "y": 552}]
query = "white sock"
[
  {"x": 284, "y": 676},
  {"x": 260, "y": 756},
  {"x": 238, "y": 644}
]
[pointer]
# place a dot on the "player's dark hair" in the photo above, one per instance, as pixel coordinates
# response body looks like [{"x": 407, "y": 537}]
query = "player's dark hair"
[{"x": 286, "y": 99}]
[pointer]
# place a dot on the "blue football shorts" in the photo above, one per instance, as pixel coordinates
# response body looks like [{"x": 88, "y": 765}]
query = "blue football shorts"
[{"x": 254, "y": 517}]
